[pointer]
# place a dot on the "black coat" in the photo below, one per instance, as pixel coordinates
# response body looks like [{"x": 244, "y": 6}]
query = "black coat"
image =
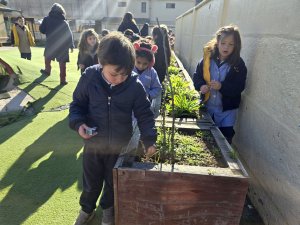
[
  {"x": 232, "y": 86},
  {"x": 87, "y": 60},
  {"x": 124, "y": 26},
  {"x": 59, "y": 37},
  {"x": 110, "y": 109}
]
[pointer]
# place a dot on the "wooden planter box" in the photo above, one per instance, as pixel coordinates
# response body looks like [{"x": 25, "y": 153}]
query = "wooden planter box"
[{"x": 146, "y": 193}]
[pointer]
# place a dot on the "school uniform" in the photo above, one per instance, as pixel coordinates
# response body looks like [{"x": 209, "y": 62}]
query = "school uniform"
[
  {"x": 152, "y": 85},
  {"x": 87, "y": 60},
  {"x": 222, "y": 105}
]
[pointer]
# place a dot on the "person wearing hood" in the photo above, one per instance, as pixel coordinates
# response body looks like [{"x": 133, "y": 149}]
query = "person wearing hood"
[
  {"x": 59, "y": 39},
  {"x": 128, "y": 22}
]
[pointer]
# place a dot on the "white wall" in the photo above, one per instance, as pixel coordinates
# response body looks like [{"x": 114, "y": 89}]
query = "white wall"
[
  {"x": 168, "y": 15},
  {"x": 268, "y": 128},
  {"x": 133, "y": 6},
  {"x": 75, "y": 9}
]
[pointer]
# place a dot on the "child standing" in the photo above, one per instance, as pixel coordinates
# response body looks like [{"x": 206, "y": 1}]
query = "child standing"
[
  {"x": 221, "y": 77},
  {"x": 22, "y": 37},
  {"x": 87, "y": 47},
  {"x": 105, "y": 98},
  {"x": 147, "y": 74}
]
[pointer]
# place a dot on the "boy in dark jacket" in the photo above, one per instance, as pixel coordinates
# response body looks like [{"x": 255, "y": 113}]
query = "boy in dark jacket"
[{"x": 105, "y": 98}]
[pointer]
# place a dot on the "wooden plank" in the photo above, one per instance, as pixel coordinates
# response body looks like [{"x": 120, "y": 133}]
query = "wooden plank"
[
  {"x": 225, "y": 147},
  {"x": 149, "y": 197}
]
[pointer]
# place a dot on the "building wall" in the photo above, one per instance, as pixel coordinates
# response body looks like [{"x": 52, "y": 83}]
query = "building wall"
[
  {"x": 133, "y": 6},
  {"x": 268, "y": 126},
  {"x": 75, "y": 9},
  {"x": 168, "y": 15}
]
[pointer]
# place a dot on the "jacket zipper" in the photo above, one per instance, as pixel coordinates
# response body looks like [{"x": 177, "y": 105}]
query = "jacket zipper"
[{"x": 109, "y": 120}]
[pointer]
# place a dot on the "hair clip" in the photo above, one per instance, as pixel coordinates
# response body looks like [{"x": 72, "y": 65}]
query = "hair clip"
[{"x": 138, "y": 47}]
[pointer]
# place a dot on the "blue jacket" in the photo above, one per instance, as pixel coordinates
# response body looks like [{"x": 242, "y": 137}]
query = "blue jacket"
[
  {"x": 109, "y": 109},
  {"x": 150, "y": 81},
  {"x": 59, "y": 37},
  {"x": 232, "y": 86}
]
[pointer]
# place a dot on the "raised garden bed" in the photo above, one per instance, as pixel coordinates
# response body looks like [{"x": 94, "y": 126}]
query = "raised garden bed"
[
  {"x": 161, "y": 193},
  {"x": 151, "y": 193}
]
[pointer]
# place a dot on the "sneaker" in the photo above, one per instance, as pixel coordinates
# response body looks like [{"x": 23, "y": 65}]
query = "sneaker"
[
  {"x": 84, "y": 218},
  {"x": 63, "y": 83},
  {"x": 44, "y": 72},
  {"x": 108, "y": 216}
]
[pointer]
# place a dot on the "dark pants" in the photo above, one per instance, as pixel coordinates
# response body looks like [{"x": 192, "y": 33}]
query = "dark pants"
[
  {"x": 26, "y": 56},
  {"x": 97, "y": 169},
  {"x": 228, "y": 133},
  {"x": 62, "y": 69}
]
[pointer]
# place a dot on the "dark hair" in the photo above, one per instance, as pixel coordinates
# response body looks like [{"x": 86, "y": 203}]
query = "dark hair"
[
  {"x": 144, "y": 53},
  {"x": 128, "y": 18},
  {"x": 226, "y": 31},
  {"x": 131, "y": 35},
  {"x": 104, "y": 32},
  {"x": 116, "y": 49},
  {"x": 82, "y": 44},
  {"x": 128, "y": 32}
]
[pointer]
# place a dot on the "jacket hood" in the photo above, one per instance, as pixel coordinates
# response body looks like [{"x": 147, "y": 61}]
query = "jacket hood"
[{"x": 57, "y": 11}]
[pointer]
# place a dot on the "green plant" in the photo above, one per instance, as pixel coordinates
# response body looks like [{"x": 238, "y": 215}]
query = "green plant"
[
  {"x": 184, "y": 106},
  {"x": 190, "y": 149},
  {"x": 173, "y": 70}
]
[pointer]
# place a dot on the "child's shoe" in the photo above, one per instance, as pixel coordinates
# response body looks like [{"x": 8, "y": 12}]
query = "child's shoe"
[
  {"x": 108, "y": 216},
  {"x": 84, "y": 218}
]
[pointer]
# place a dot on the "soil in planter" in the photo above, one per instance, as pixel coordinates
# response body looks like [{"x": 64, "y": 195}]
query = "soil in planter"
[{"x": 193, "y": 148}]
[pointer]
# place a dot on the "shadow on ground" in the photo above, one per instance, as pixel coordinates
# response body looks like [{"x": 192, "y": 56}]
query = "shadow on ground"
[{"x": 34, "y": 183}]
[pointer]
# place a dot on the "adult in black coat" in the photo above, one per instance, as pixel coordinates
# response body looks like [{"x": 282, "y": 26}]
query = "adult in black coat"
[
  {"x": 128, "y": 23},
  {"x": 161, "y": 39},
  {"x": 59, "y": 39}
]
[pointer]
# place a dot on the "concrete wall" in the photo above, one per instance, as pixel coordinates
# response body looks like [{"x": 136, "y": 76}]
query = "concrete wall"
[{"x": 268, "y": 127}]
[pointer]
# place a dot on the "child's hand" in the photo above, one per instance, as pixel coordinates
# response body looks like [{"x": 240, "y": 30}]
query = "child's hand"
[
  {"x": 150, "y": 151},
  {"x": 82, "y": 132},
  {"x": 216, "y": 85},
  {"x": 81, "y": 66},
  {"x": 204, "y": 89}
]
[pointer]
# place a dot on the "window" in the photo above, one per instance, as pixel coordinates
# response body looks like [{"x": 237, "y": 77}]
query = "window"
[
  {"x": 144, "y": 5},
  {"x": 170, "y": 5},
  {"x": 122, "y": 4}
]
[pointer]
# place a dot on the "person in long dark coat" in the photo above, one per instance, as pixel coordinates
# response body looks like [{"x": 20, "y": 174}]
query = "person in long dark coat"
[
  {"x": 145, "y": 30},
  {"x": 128, "y": 22},
  {"x": 59, "y": 39},
  {"x": 160, "y": 37}
]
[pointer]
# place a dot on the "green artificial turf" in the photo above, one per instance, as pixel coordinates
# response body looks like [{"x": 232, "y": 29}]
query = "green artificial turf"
[
  {"x": 40, "y": 157},
  {"x": 46, "y": 90}
]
